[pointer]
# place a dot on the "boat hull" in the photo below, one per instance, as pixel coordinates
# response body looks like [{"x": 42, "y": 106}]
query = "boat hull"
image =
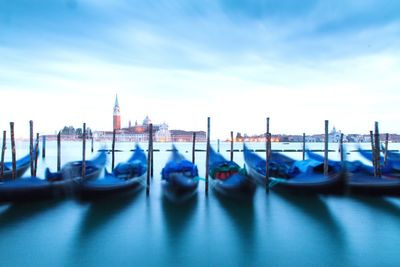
[
  {"x": 33, "y": 189},
  {"x": 228, "y": 179},
  {"x": 305, "y": 177},
  {"x": 311, "y": 184},
  {"x": 127, "y": 177},
  {"x": 179, "y": 178},
  {"x": 242, "y": 188},
  {"x": 179, "y": 188},
  {"x": 365, "y": 184},
  {"x": 115, "y": 186},
  {"x": 22, "y": 165}
]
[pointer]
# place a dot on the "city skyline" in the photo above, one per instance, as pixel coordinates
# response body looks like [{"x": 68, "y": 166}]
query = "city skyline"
[{"x": 180, "y": 62}]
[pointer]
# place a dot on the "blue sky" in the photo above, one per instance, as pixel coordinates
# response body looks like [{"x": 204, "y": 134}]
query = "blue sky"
[{"x": 180, "y": 61}]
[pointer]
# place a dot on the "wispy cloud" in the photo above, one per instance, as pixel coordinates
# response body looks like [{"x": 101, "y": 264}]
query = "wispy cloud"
[{"x": 228, "y": 59}]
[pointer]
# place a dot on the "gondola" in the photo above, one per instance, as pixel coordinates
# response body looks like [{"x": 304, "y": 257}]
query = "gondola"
[
  {"x": 55, "y": 185},
  {"x": 368, "y": 184},
  {"x": 126, "y": 177},
  {"x": 361, "y": 179},
  {"x": 279, "y": 165},
  {"x": 73, "y": 170},
  {"x": 392, "y": 165},
  {"x": 351, "y": 166},
  {"x": 395, "y": 156},
  {"x": 179, "y": 178},
  {"x": 304, "y": 177},
  {"x": 22, "y": 165},
  {"x": 228, "y": 179}
]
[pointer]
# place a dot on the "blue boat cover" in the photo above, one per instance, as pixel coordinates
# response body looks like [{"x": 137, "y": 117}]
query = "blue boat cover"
[
  {"x": 277, "y": 167},
  {"x": 178, "y": 163}
]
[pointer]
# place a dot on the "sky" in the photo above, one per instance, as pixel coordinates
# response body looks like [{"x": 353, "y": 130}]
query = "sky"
[{"x": 180, "y": 61}]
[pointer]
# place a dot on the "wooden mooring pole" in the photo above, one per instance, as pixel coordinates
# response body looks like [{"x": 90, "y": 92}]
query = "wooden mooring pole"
[
  {"x": 386, "y": 148},
  {"x": 304, "y": 146},
  {"x": 84, "y": 151},
  {"x": 207, "y": 155},
  {"x": 268, "y": 139},
  {"x": 151, "y": 151},
  {"x": 343, "y": 157},
  {"x": 326, "y": 148},
  {"x": 218, "y": 145},
  {"x": 150, "y": 137},
  {"x": 341, "y": 148},
  {"x": 3, "y": 150},
  {"x": 193, "y": 147},
  {"x": 378, "y": 151},
  {"x": 231, "y": 145},
  {"x": 113, "y": 150},
  {"x": 267, "y": 156},
  {"x": 59, "y": 151},
  {"x": 14, "y": 162},
  {"x": 31, "y": 159},
  {"x": 36, "y": 153},
  {"x": 92, "y": 143},
  {"x": 371, "y": 135},
  {"x": 43, "y": 146}
]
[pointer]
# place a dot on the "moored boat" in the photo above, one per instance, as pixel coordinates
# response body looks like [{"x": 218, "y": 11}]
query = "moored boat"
[
  {"x": 228, "y": 179},
  {"x": 368, "y": 184},
  {"x": 361, "y": 179},
  {"x": 73, "y": 170},
  {"x": 392, "y": 165},
  {"x": 279, "y": 166},
  {"x": 129, "y": 176},
  {"x": 55, "y": 185},
  {"x": 22, "y": 165},
  {"x": 304, "y": 177},
  {"x": 179, "y": 178}
]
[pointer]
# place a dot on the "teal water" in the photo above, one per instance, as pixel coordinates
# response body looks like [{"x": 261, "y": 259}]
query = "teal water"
[{"x": 272, "y": 230}]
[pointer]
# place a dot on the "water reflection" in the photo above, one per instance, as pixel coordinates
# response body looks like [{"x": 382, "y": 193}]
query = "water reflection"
[
  {"x": 241, "y": 212},
  {"x": 273, "y": 230},
  {"x": 4, "y": 206},
  {"x": 20, "y": 212},
  {"x": 380, "y": 203},
  {"x": 101, "y": 211},
  {"x": 177, "y": 217},
  {"x": 242, "y": 216},
  {"x": 315, "y": 208}
]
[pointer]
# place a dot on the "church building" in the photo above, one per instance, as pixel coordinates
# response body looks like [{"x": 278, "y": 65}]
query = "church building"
[
  {"x": 116, "y": 115},
  {"x": 139, "y": 132}
]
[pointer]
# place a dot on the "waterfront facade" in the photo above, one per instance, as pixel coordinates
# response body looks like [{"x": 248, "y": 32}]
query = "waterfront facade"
[{"x": 138, "y": 132}]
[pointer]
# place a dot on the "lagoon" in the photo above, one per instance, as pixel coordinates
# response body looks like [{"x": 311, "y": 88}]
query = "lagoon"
[{"x": 272, "y": 230}]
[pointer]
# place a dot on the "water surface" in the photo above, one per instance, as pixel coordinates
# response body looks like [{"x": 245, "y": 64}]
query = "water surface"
[{"x": 135, "y": 230}]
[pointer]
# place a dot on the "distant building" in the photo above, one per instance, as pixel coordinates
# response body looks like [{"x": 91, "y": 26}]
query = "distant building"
[
  {"x": 116, "y": 115},
  {"x": 163, "y": 134},
  {"x": 311, "y": 139},
  {"x": 187, "y": 136},
  {"x": 355, "y": 138},
  {"x": 139, "y": 132},
  {"x": 334, "y": 136}
]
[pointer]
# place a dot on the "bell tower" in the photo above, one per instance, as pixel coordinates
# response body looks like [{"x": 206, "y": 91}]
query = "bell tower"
[{"x": 116, "y": 115}]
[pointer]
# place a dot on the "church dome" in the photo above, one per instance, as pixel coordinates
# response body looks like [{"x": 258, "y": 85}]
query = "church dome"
[{"x": 146, "y": 121}]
